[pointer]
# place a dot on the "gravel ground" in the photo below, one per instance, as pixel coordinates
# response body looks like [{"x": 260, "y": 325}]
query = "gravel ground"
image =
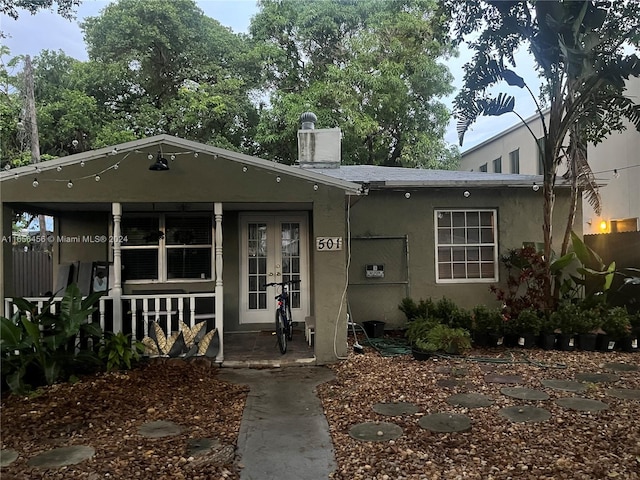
[
  {"x": 106, "y": 410},
  {"x": 570, "y": 445}
]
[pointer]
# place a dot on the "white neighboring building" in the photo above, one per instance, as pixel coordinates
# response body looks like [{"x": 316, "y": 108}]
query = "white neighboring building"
[{"x": 615, "y": 161}]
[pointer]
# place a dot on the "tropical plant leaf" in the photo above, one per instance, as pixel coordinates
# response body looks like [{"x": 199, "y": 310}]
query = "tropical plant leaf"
[
  {"x": 512, "y": 78},
  {"x": 10, "y": 335}
]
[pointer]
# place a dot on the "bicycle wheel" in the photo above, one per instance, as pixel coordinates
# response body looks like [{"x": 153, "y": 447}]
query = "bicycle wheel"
[
  {"x": 289, "y": 323},
  {"x": 281, "y": 334}
]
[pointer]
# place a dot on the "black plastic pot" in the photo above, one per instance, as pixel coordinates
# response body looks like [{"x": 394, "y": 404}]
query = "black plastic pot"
[
  {"x": 495, "y": 340},
  {"x": 587, "y": 341},
  {"x": 566, "y": 342},
  {"x": 605, "y": 343},
  {"x": 374, "y": 328},
  {"x": 481, "y": 339},
  {"x": 547, "y": 341},
  {"x": 420, "y": 354},
  {"x": 526, "y": 340},
  {"x": 629, "y": 344}
]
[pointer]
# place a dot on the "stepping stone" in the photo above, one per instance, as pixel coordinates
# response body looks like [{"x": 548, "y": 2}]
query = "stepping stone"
[
  {"x": 201, "y": 446},
  {"x": 446, "y": 422},
  {"x": 470, "y": 400},
  {"x": 624, "y": 393},
  {"x": 396, "y": 408},
  {"x": 495, "y": 378},
  {"x": 621, "y": 367},
  {"x": 566, "y": 385},
  {"x": 455, "y": 371},
  {"x": 451, "y": 382},
  {"x": 525, "y": 413},
  {"x": 375, "y": 431},
  {"x": 7, "y": 456},
  {"x": 60, "y": 457},
  {"x": 159, "y": 429},
  {"x": 582, "y": 404},
  {"x": 523, "y": 393},
  {"x": 597, "y": 377}
]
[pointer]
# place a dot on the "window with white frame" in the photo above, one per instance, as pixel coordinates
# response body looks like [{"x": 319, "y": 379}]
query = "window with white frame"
[
  {"x": 466, "y": 246},
  {"x": 166, "y": 247}
]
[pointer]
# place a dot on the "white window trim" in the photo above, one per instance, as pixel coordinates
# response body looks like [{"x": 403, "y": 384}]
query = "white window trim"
[
  {"x": 162, "y": 248},
  {"x": 494, "y": 244}
]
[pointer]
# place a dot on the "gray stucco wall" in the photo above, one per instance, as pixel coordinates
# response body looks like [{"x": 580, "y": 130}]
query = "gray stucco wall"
[{"x": 390, "y": 213}]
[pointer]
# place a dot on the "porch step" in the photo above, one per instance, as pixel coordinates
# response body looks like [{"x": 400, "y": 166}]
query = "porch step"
[{"x": 276, "y": 363}]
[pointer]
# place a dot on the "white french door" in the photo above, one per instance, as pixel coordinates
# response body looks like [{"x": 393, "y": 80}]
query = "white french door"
[{"x": 274, "y": 248}]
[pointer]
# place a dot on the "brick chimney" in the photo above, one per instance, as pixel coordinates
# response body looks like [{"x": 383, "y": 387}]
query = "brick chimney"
[{"x": 318, "y": 148}]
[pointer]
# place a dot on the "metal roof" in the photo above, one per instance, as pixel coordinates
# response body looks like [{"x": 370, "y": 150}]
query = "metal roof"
[{"x": 391, "y": 177}]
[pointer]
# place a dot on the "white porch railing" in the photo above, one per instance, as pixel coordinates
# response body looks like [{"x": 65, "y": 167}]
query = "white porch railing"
[{"x": 138, "y": 311}]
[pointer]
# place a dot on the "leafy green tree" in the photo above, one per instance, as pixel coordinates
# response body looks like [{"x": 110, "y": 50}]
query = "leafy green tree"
[
  {"x": 367, "y": 66},
  {"x": 11, "y": 128},
  {"x": 178, "y": 71},
  {"x": 66, "y": 8},
  {"x": 581, "y": 53}
]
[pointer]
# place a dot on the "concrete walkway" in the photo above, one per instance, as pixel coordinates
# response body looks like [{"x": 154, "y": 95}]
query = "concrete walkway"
[{"x": 284, "y": 434}]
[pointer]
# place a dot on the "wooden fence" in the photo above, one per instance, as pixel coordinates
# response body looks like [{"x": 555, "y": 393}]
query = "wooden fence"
[
  {"x": 32, "y": 273},
  {"x": 624, "y": 249}
]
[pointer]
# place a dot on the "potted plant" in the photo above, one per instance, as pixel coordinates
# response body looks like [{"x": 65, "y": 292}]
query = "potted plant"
[
  {"x": 547, "y": 337},
  {"x": 616, "y": 326},
  {"x": 565, "y": 318},
  {"x": 526, "y": 328},
  {"x": 587, "y": 322},
  {"x": 486, "y": 326},
  {"x": 422, "y": 350},
  {"x": 416, "y": 335},
  {"x": 448, "y": 339}
]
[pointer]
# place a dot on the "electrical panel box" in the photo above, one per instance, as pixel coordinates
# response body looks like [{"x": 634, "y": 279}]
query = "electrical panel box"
[{"x": 374, "y": 271}]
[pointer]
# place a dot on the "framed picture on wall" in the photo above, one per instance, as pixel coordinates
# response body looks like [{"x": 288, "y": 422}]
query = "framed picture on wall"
[{"x": 100, "y": 277}]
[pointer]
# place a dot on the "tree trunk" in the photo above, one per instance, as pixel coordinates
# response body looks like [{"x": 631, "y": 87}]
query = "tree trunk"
[{"x": 32, "y": 125}]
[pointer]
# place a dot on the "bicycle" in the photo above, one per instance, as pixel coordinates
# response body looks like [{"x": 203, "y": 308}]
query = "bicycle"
[{"x": 284, "y": 320}]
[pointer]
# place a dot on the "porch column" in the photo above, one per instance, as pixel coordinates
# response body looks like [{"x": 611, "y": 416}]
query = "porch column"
[
  {"x": 116, "y": 290},
  {"x": 217, "y": 213},
  {"x": 6, "y": 255}
]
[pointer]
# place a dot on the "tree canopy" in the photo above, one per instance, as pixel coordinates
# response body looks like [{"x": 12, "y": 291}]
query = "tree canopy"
[
  {"x": 368, "y": 66},
  {"x": 374, "y": 68},
  {"x": 65, "y": 8}
]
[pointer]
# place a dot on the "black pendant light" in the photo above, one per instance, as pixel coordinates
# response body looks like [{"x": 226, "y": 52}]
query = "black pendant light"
[{"x": 160, "y": 164}]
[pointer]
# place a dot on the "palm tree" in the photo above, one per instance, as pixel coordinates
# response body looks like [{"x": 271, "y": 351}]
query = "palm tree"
[{"x": 580, "y": 52}]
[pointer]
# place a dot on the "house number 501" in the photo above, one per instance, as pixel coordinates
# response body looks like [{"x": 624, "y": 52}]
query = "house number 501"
[{"x": 326, "y": 244}]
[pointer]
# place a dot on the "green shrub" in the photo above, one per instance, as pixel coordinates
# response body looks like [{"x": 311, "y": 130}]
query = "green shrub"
[
  {"x": 419, "y": 328},
  {"x": 616, "y": 323},
  {"x": 118, "y": 352},
  {"x": 448, "y": 339},
  {"x": 527, "y": 321},
  {"x": 486, "y": 320},
  {"x": 413, "y": 310},
  {"x": 43, "y": 347}
]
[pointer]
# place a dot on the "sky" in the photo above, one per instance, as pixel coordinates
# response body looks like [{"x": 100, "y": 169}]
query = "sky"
[{"x": 31, "y": 34}]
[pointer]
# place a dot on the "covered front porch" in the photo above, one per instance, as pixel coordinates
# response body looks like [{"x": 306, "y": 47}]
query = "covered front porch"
[{"x": 160, "y": 233}]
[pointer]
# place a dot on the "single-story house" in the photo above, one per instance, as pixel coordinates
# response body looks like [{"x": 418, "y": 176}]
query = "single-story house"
[{"x": 191, "y": 232}]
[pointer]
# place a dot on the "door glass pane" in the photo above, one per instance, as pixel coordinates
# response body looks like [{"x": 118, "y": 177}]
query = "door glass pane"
[
  {"x": 290, "y": 258},
  {"x": 257, "y": 261}
]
